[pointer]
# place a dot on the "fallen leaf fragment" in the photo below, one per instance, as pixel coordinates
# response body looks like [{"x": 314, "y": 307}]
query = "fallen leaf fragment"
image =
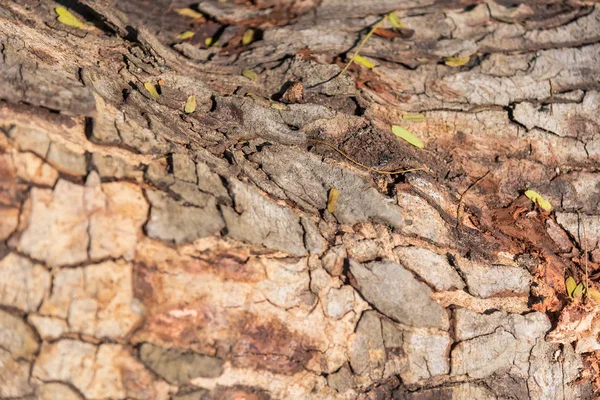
[
  {"x": 248, "y": 37},
  {"x": 65, "y": 17},
  {"x": 278, "y": 106},
  {"x": 185, "y": 35},
  {"x": 364, "y": 61},
  {"x": 188, "y": 12},
  {"x": 332, "y": 200},
  {"x": 208, "y": 41},
  {"x": 190, "y": 105},
  {"x": 408, "y": 136},
  {"x": 413, "y": 117},
  {"x": 457, "y": 61},
  {"x": 395, "y": 21},
  {"x": 151, "y": 89},
  {"x": 248, "y": 73},
  {"x": 538, "y": 199}
]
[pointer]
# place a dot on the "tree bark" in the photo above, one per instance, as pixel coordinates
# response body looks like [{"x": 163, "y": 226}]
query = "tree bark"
[{"x": 197, "y": 202}]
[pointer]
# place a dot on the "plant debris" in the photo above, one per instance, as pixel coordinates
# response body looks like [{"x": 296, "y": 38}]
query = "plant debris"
[
  {"x": 190, "y": 105},
  {"x": 185, "y": 35},
  {"x": 407, "y": 136},
  {"x": 539, "y": 200},
  {"x": 188, "y": 12},
  {"x": 248, "y": 37},
  {"x": 152, "y": 90},
  {"x": 457, "y": 61},
  {"x": 332, "y": 200},
  {"x": 65, "y": 17},
  {"x": 248, "y": 73}
]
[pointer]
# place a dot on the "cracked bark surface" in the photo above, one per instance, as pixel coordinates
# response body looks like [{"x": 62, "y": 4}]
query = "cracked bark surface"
[{"x": 150, "y": 253}]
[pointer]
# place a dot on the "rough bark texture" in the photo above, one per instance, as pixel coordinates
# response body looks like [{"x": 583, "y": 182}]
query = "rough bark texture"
[{"x": 150, "y": 253}]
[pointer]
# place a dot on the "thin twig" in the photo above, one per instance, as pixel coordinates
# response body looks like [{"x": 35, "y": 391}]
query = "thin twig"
[
  {"x": 460, "y": 200},
  {"x": 379, "y": 171},
  {"x": 360, "y": 46}
]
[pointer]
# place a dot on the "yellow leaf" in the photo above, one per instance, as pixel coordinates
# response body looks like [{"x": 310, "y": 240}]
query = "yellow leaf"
[
  {"x": 277, "y": 106},
  {"x": 151, "y": 89},
  {"x": 578, "y": 290},
  {"x": 570, "y": 285},
  {"x": 457, "y": 61},
  {"x": 395, "y": 21},
  {"x": 208, "y": 41},
  {"x": 364, "y": 61},
  {"x": 594, "y": 294},
  {"x": 248, "y": 37},
  {"x": 190, "y": 105},
  {"x": 538, "y": 199},
  {"x": 406, "y": 135},
  {"x": 65, "y": 17},
  {"x": 185, "y": 35},
  {"x": 413, "y": 117},
  {"x": 332, "y": 200},
  {"x": 248, "y": 73},
  {"x": 188, "y": 12}
]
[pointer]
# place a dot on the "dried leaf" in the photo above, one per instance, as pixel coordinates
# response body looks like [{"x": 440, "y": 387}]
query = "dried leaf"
[
  {"x": 151, "y": 89},
  {"x": 332, "y": 200},
  {"x": 248, "y": 73},
  {"x": 65, "y": 17},
  {"x": 278, "y": 106},
  {"x": 457, "y": 61},
  {"x": 185, "y": 35},
  {"x": 363, "y": 61},
  {"x": 538, "y": 199},
  {"x": 188, "y": 12},
  {"x": 395, "y": 21},
  {"x": 413, "y": 117},
  {"x": 578, "y": 290},
  {"x": 406, "y": 135},
  {"x": 208, "y": 41},
  {"x": 190, "y": 105},
  {"x": 570, "y": 285},
  {"x": 248, "y": 37}
]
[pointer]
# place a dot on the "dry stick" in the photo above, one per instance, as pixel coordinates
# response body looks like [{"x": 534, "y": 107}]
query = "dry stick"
[
  {"x": 360, "y": 46},
  {"x": 460, "y": 200},
  {"x": 379, "y": 171}
]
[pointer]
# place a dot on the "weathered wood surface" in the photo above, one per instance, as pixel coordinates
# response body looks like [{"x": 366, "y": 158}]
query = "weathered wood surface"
[{"x": 148, "y": 253}]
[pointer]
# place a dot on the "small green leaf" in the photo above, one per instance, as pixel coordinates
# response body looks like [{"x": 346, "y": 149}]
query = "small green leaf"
[
  {"x": 332, "y": 200},
  {"x": 538, "y": 199},
  {"x": 395, "y": 21},
  {"x": 593, "y": 294},
  {"x": 208, "y": 41},
  {"x": 188, "y": 12},
  {"x": 65, "y": 17},
  {"x": 185, "y": 35},
  {"x": 248, "y": 37},
  {"x": 190, "y": 105},
  {"x": 248, "y": 73},
  {"x": 413, "y": 117},
  {"x": 457, "y": 61},
  {"x": 278, "y": 106},
  {"x": 364, "y": 61},
  {"x": 406, "y": 135},
  {"x": 570, "y": 285},
  {"x": 151, "y": 89},
  {"x": 578, "y": 290}
]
